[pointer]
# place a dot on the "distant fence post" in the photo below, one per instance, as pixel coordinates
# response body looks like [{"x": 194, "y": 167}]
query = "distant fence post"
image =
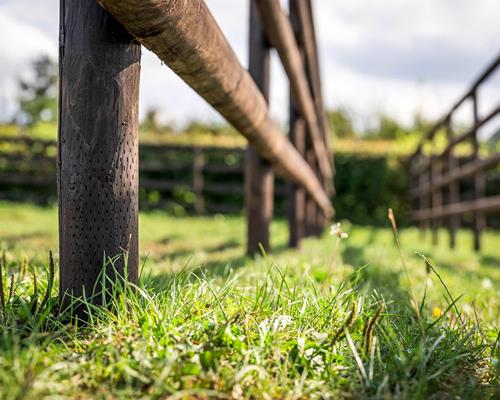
[
  {"x": 423, "y": 200},
  {"x": 453, "y": 187},
  {"x": 259, "y": 176},
  {"x": 296, "y": 194},
  {"x": 479, "y": 180},
  {"x": 307, "y": 38},
  {"x": 198, "y": 180},
  {"x": 97, "y": 146},
  {"x": 436, "y": 195}
]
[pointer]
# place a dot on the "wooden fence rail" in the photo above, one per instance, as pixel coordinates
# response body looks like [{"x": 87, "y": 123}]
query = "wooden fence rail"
[
  {"x": 437, "y": 175},
  {"x": 27, "y": 164},
  {"x": 98, "y": 184}
]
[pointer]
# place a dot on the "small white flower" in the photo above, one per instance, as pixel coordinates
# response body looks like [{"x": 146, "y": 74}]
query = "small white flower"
[
  {"x": 467, "y": 309},
  {"x": 319, "y": 336},
  {"x": 301, "y": 344},
  {"x": 336, "y": 230},
  {"x": 281, "y": 321},
  {"x": 276, "y": 324},
  {"x": 487, "y": 284}
]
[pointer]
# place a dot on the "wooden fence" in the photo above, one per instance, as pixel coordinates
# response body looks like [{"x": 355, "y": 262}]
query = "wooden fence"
[
  {"x": 438, "y": 177},
  {"x": 194, "y": 179},
  {"x": 98, "y": 119}
]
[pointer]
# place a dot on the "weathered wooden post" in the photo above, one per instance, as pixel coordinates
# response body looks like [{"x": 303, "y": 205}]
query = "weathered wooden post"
[
  {"x": 98, "y": 146},
  {"x": 479, "y": 181},
  {"x": 198, "y": 180},
  {"x": 298, "y": 199},
  {"x": 281, "y": 35},
  {"x": 436, "y": 196},
  {"x": 302, "y": 11},
  {"x": 300, "y": 24},
  {"x": 453, "y": 187},
  {"x": 421, "y": 185},
  {"x": 185, "y": 36},
  {"x": 310, "y": 205},
  {"x": 296, "y": 193},
  {"x": 259, "y": 176}
]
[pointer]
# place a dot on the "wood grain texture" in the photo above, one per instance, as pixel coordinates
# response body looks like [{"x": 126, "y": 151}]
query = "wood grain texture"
[
  {"x": 296, "y": 194},
  {"x": 479, "y": 179},
  {"x": 301, "y": 25},
  {"x": 302, "y": 12},
  {"x": 453, "y": 188},
  {"x": 281, "y": 35},
  {"x": 98, "y": 146},
  {"x": 259, "y": 176},
  {"x": 185, "y": 36}
]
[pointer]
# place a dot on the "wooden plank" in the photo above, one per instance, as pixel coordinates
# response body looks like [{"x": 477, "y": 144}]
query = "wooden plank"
[
  {"x": 297, "y": 195},
  {"x": 198, "y": 181},
  {"x": 281, "y": 36},
  {"x": 301, "y": 19},
  {"x": 483, "y": 76},
  {"x": 486, "y": 205},
  {"x": 453, "y": 189},
  {"x": 27, "y": 179},
  {"x": 461, "y": 173},
  {"x": 185, "y": 36},
  {"x": 310, "y": 206},
  {"x": 436, "y": 197},
  {"x": 479, "y": 181},
  {"x": 461, "y": 138},
  {"x": 98, "y": 147},
  {"x": 424, "y": 199},
  {"x": 259, "y": 177},
  {"x": 307, "y": 39}
]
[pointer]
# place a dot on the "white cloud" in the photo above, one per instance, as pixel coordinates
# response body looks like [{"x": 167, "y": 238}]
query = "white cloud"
[
  {"x": 23, "y": 43},
  {"x": 393, "y": 56}
]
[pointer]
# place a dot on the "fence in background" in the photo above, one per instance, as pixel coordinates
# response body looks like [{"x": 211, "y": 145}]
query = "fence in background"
[
  {"x": 367, "y": 183},
  {"x": 438, "y": 177},
  {"x": 194, "y": 179}
]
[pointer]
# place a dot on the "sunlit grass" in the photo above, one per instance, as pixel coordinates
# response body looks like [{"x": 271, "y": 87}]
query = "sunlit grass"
[{"x": 206, "y": 322}]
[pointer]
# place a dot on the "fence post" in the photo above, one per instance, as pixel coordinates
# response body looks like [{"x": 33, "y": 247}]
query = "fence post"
[
  {"x": 198, "y": 180},
  {"x": 297, "y": 24},
  {"x": 453, "y": 187},
  {"x": 436, "y": 196},
  {"x": 479, "y": 180},
  {"x": 97, "y": 147},
  {"x": 301, "y": 15},
  {"x": 259, "y": 177},
  {"x": 310, "y": 206},
  {"x": 296, "y": 194},
  {"x": 423, "y": 199}
]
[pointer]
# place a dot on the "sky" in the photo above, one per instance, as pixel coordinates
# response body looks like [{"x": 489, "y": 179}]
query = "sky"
[{"x": 397, "y": 57}]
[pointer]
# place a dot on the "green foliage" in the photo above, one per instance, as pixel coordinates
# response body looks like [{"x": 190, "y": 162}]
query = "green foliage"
[
  {"x": 38, "y": 95},
  {"x": 367, "y": 185},
  {"x": 387, "y": 128},
  {"x": 341, "y": 123},
  {"x": 151, "y": 124},
  {"x": 216, "y": 129},
  {"x": 224, "y": 326}
]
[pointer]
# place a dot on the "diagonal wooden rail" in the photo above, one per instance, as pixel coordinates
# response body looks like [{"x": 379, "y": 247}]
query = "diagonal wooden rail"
[
  {"x": 437, "y": 176},
  {"x": 281, "y": 36},
  {"x": 185, "y": 36},
  {"x": 98, "y": 128}
]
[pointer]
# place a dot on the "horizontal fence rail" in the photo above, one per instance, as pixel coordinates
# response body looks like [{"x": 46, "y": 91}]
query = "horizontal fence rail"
[
  {"x": 199, "y": 179},
  {"x": 437, "y": 176},
  {"x": 194, "y": 50}
]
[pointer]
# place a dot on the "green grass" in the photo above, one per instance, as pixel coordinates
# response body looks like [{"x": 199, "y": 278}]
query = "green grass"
[{"x": 333, "y": 320}]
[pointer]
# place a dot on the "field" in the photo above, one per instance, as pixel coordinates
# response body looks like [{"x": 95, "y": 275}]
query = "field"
[{"x": 341, "y": 318}]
